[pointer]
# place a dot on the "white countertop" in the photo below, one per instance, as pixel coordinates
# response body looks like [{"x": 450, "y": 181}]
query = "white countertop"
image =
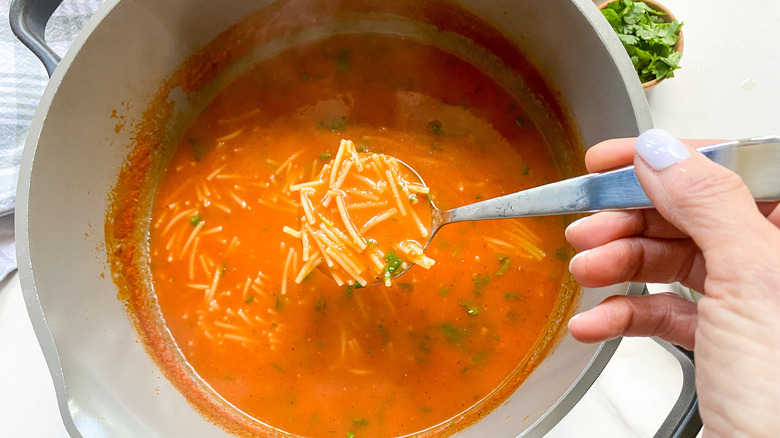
[{"x": 728, "y": 88}]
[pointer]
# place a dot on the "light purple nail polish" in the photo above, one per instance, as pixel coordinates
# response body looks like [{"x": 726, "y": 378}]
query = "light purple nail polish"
[{"x": 660, "y": 149}]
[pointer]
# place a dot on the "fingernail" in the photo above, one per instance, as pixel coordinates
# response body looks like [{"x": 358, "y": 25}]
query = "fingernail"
[
  {"x": 575, "y": 223},
  {"x": 576, "y": 257},
  {"x": 571, "y": 227},
  {"x": 568, "y": 324},
  {"x": 660, "y": 149},
  {"x": 577, "y": 316}
]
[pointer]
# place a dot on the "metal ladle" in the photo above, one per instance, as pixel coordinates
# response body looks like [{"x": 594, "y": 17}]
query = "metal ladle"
[{"x": 756, "y": 161}]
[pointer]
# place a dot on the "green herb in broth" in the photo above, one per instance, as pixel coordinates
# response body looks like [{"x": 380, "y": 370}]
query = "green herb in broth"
[{"x": 393, "y": 263}]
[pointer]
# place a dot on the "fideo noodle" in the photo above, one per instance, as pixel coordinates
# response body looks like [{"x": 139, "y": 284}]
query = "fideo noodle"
[{"x": 361, "y": 217}]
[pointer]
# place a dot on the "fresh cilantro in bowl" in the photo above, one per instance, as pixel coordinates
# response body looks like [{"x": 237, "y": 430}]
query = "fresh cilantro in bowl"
[{"x": 650, "y": 37}]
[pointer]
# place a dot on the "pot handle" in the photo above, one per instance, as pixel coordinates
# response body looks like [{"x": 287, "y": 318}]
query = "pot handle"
[
  {"x": 28, "y": 20},
  {"x": 683, "y": 421}
]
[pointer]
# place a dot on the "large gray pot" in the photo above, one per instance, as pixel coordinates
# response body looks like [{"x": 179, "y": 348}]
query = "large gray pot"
[{"x": 106, "y": 383}]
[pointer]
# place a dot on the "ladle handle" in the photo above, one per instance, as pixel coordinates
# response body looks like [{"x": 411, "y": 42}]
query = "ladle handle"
[{"x": 756, "y": 160}]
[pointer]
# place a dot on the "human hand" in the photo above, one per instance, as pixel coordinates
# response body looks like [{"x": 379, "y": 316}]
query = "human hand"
[{"x": 708, "y": 233}]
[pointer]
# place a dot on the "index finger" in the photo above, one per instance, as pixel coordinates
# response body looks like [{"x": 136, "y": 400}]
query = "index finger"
[{"x": 619, "y": 152}]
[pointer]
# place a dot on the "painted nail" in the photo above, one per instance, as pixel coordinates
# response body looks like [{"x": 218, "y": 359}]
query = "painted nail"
[{"x": 660, "y": 149}]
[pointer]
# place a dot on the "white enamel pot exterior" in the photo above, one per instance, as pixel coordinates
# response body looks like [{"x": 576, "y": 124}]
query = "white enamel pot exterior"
[{"x": 106, "y": 383}]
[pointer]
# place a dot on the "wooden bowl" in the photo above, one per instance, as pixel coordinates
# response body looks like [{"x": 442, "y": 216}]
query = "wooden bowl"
[{"x": 668, "y": 16}]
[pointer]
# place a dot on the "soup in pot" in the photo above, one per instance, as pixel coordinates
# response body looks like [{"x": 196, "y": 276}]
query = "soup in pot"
[
  {"x": 242, "y": 303},
  {"x": 314, "y": 358}
]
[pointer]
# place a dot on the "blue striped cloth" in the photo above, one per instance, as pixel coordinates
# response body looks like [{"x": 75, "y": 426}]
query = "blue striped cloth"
[{"x": 22, "y": 81}]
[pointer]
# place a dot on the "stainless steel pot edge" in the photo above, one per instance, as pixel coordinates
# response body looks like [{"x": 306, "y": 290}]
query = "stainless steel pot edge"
[{"x": 21, "y": 228}]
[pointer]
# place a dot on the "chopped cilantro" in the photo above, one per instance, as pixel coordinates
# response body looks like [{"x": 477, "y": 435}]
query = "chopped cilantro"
[
  {"x": 561, "y": 254},
  {"x": 443, "y": 244},
  {"x": 250, "y": 300},
  {"x": 479, "y": 196},
  {"x": 344, "y": 60},
  {"x": 305, "y": 77},
  {"x": 195, "y": 220},
  {"x": 444, "y": 291},
  {"x": 471, "y": 310},
  {"x": 504, "y": 265},
  {"x": 371, "y": 242},
  {"x": 385, "y": 335},
  {"x": 324, "y": 156},
  {"x": 413, "y": 198},
  {"x": 407, "y": 287},
  {"x": 451, "y": 332},
  {"x": 510, "y": 296},
  {"x": 393, "y": 263},
  {"x": 519, "y": 122},
  {"x": 350, "y": 435},
  {"x": 435, "y": 127},
  {"x": 524, "y": 170},
  {"x": 647, "y": 37},
  {"x": 320, "y": 304},
  {"x": 197, "y": 148},
  {"x": 458, "y": 248},
  {"x": 430, "y": 198},
  {"x": 337, "y": 125},
  {"x": 479, "y": 283},
  {"x": 350, "y": 288}
]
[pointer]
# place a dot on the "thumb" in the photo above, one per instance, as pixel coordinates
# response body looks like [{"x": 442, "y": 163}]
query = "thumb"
[{"x": 701, "y": 198}]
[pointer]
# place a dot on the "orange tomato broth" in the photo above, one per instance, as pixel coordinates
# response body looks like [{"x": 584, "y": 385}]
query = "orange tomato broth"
[{"x": 316, "y": 359}]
